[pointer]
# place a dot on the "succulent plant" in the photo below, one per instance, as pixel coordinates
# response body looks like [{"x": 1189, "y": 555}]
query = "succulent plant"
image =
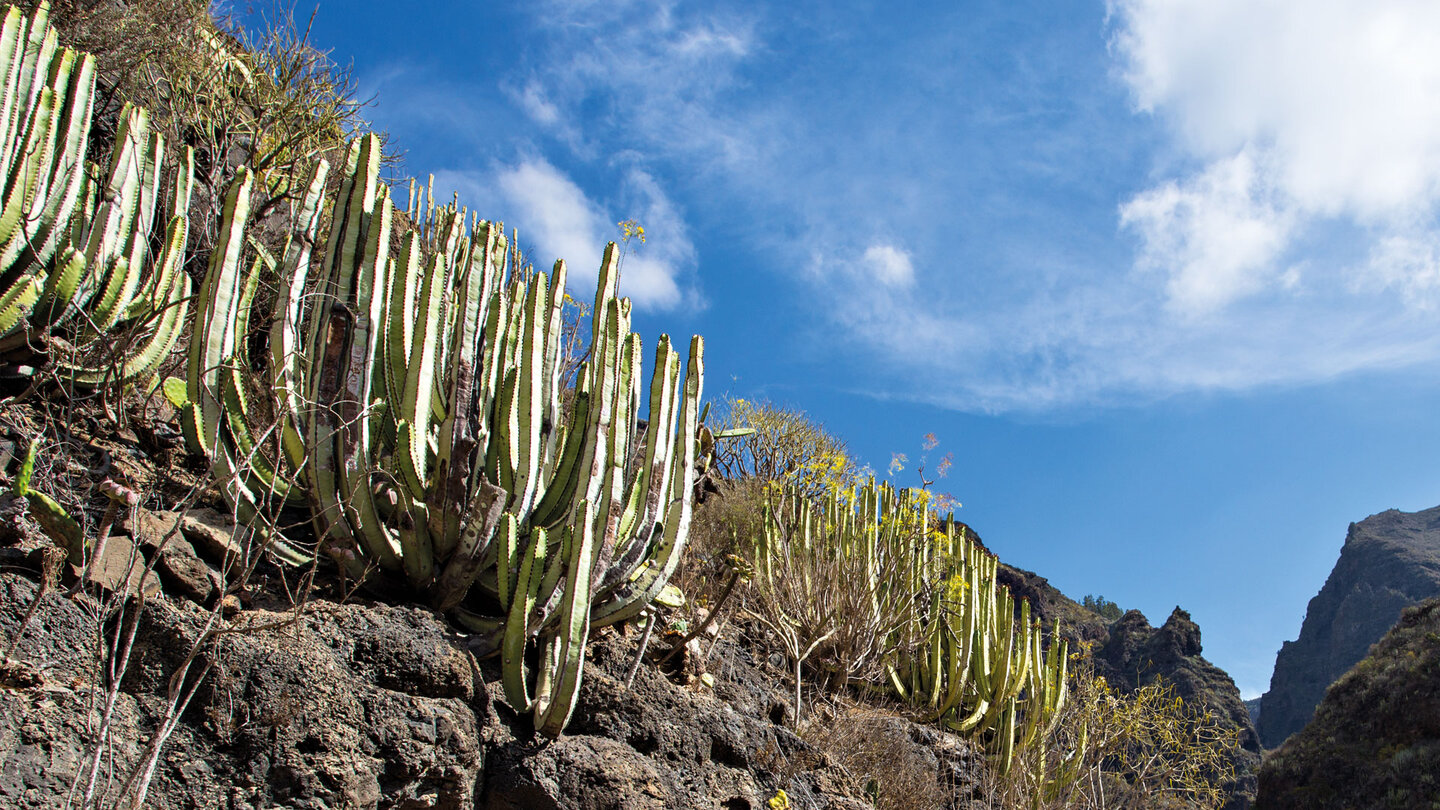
[
  {"x": 953, "y": 639},
  {"x": 72, "y": 254},
  {"x": 418, "y": 412}
]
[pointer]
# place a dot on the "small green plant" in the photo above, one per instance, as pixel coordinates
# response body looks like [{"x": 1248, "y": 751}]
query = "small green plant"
[
  {"x": 48, "y": 512},
  {"x": 1102, "y": 606},
  {"x": 631, "y": 229}
]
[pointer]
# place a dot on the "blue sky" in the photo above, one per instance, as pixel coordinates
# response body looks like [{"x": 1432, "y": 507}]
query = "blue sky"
[{"x": 1162, "y": 275}]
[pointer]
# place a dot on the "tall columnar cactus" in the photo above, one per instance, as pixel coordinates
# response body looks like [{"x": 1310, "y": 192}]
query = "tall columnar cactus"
[
  {"x": 419, "y": 413},
  {"x": 69, "y": 249},
  {"x": 951, "y": 638},
  {"x": 124, "y": 279},
  {"x": 44, "y": 125}
]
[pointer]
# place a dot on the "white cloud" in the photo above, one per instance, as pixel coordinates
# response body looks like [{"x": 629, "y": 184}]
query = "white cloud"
[
  {"x": 707, "y": 41},
  {"x": 1215, "y": 234},
  {"x": 889, "y": 264},
  {"x": 871, "y": 294},
  {"x": 1303, "y": 114},
  {"x": 656, "y": 71},
  {"x": 561, "y": 221}
]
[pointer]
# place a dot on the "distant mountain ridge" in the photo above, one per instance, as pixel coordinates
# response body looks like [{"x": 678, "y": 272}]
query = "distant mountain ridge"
[{"x": 1389, "y": 562}]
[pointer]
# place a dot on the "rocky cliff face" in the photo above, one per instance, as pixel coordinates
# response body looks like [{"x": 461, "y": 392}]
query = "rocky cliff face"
[
  {"x": 1389, "y": 561},
  {"x": 1135, "y": 654},
  {"x": 1375, "y": 739},
  {"x": 1130, "y": 654}
]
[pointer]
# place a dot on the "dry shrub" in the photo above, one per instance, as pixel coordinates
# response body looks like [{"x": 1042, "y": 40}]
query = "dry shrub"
[
  {"x": 266, "y": 98},
  {"x": 901, "y": 766},
  {"x": 1138, "y": 751},
  {"x": 787, "y": 446},
  {"x": 725, "y": 522},
  {"x": 722, "y": 525},
  {"x": 842, "y": 612}
]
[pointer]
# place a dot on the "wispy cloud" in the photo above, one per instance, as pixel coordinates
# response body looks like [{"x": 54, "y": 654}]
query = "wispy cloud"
[
  {"x": 562, "y": 221},
  {"x": 1233, "y": 194},
  {"x": 641, "y": 75}
]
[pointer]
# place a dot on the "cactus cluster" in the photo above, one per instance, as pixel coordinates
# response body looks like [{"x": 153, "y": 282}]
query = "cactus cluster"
[
  {"x": 412, "y": 400},
  {"x": 77, "y": 255},
  {"x": 982, "y": 666},
  {"x": 419, "y": 412},
  {"x": 949, "y": 637}
]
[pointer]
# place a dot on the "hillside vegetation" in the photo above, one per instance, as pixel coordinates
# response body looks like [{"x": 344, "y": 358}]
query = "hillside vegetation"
[{"x": 210, "y": 298}]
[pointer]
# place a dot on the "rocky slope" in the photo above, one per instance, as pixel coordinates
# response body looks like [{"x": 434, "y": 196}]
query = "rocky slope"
[
  {"x": 1389, "y": 561},
  {"x": 359, "y": 703},
  {"x": 1375, "y": 739},
  {"x": 356, "y": 703}
]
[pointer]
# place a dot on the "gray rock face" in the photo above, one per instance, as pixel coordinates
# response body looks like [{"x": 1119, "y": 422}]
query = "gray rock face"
[
  {"x": 364, "y": 705},
  {"x": 1135, "y": 654},
  {"x": 1375, "y": 739},
  {"x": 348, "y": 706},
  {"x": 1389, "y": 562}
]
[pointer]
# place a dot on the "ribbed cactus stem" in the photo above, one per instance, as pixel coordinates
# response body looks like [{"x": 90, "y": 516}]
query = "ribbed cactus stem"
[{"x": 419, "y": 408}]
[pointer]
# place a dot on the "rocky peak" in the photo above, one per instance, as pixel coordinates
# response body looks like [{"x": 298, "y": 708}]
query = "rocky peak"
[
  {"x": 1136, "y": 654},
  {"x": 1182, "y": 632},
  {"x": 1389, "y": 561}
]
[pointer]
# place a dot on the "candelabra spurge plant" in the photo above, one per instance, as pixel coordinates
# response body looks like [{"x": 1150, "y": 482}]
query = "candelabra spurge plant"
[
  {"x": 420, "y": 413},
  {"x": 870, "y": 587},
  {"x": 74, "y": 253}
]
